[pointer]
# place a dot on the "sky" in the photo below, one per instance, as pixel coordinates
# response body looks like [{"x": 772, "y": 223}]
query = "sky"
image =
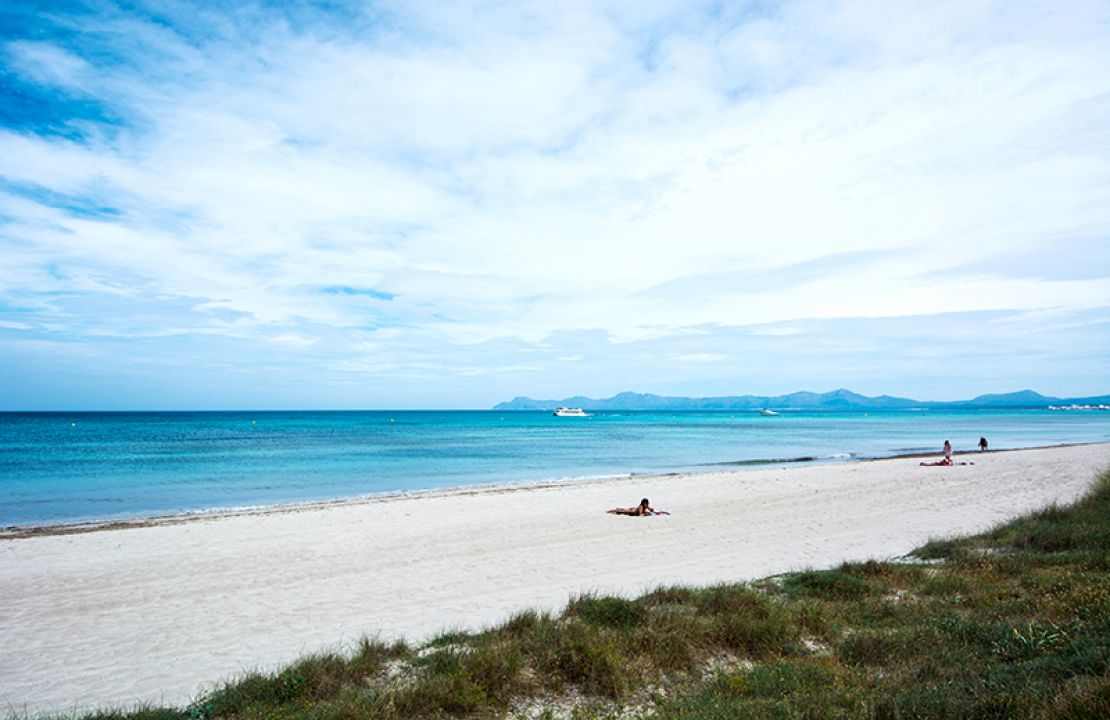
[{"x": 445, "y": 205}]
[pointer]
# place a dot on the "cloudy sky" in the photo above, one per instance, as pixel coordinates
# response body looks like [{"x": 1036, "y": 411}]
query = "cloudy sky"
[{"x": 426, "y": 204}]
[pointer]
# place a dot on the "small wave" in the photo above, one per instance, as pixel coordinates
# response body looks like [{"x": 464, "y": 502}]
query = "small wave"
[
  {"x": 758, "y": 461},
  {"x": 781, "y": 461}
]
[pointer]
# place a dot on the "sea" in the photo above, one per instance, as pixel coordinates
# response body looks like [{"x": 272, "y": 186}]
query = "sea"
[{"x": 97, "y": 466}]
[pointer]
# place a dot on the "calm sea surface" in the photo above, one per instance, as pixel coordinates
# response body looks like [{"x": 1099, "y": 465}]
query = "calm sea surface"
[{"x": 57, "y": 467}]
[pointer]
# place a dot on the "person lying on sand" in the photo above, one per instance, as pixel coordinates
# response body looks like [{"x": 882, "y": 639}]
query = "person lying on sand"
[
  {"x": 946, "y": 462},
  {"x": 643, "y": 509}
]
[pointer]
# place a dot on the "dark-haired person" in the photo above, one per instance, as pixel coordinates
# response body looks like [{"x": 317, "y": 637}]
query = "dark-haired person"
[
  {"x": 982, "y": 444},
  {"x": 643, "y": 509},
  {"x": 946, "y": 460}
]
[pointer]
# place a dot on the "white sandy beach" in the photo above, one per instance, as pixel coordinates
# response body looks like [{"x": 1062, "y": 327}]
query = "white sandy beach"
[{"x": 158, "y": 613}]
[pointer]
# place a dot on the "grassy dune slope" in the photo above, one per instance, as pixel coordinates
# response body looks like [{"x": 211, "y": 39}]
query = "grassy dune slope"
[{"x": 1013, "y": 623}]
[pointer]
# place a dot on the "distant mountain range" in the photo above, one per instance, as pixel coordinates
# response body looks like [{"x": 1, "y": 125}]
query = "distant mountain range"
[{"x": 835, "y": 400}]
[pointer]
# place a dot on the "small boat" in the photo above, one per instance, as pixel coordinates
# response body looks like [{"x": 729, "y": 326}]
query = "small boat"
[
  {"x": 765, "y": 411},
  {"x": 569, "y": 412}
]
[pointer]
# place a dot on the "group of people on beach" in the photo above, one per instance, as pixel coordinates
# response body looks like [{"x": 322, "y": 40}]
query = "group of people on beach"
[
  {"x": 947, "y": 459},
  {"x": 645, "y": 509}
]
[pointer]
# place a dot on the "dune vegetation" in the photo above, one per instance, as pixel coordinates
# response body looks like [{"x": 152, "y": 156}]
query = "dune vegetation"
[{"x": 1012, "y": 623}]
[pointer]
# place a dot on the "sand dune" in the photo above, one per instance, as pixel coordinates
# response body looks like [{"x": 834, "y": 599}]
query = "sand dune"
[{"x": 157, "y": 613}]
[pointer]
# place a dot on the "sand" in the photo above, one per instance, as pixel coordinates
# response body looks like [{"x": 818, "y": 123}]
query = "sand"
[{"x": 159, "y": 613}]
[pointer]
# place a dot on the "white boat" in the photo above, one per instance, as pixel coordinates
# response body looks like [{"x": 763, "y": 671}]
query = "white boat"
[
  {"x": 570, "y": 412},
  {"x": 765, "y": 411}
]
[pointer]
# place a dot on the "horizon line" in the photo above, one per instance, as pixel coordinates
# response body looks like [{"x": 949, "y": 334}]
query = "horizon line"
[{"x": 525, "y": 397}]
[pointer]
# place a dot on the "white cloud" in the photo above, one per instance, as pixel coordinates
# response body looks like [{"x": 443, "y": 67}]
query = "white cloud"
[
  {"x": 47, "y": 64},
  {"x": 700, "y": 357},
  {"x": 293, "y": 340}
]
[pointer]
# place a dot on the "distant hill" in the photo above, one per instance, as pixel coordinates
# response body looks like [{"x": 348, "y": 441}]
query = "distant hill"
[{"x": 835, "y": 400}]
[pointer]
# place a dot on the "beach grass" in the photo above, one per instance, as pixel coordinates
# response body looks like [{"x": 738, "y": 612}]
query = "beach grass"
[{"x": 1011, "y": 623}]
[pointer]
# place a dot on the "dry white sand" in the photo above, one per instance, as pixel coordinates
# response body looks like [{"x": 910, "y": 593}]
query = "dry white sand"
[{"x": 157, "y": 613}]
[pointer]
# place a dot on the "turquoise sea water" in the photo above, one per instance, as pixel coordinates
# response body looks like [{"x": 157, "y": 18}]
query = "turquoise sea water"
[{"x": 57, "y": 467}]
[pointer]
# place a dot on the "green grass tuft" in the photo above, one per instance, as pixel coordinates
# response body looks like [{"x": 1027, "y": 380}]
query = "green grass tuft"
[
  {"x": 610, "y": 612},
  {"x": 827, "y": 585}
]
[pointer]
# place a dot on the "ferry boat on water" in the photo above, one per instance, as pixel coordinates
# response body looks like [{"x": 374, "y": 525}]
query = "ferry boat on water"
[
  {"x": 569, "y": 412},
  {"x": 765, "y": 411}
]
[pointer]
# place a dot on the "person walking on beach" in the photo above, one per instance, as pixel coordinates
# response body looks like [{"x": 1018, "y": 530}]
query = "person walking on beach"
[{"x": 982, "y": 444}]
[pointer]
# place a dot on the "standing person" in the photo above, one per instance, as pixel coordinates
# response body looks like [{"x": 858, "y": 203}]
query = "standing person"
[{"x": 982, "y": 444}]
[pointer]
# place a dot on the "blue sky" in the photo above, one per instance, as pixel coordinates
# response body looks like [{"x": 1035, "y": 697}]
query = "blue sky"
[{"x": 418, "y": 204}]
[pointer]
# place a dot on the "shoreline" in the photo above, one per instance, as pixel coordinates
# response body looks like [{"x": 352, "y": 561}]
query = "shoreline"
[
  {"x": 22, "y": 532},
  {"x": 167, "y": 611}
]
